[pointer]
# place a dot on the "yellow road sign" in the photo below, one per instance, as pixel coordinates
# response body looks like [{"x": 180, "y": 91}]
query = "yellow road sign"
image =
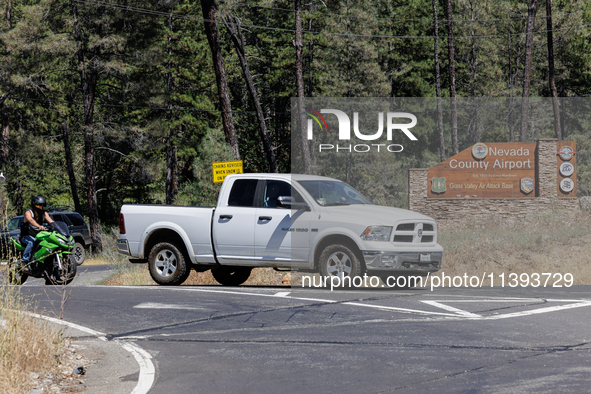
[{"x": 223, "y": 168}]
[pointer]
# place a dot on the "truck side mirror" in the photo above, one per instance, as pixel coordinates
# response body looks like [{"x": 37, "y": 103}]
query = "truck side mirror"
[{"x": 289, "y": 203}]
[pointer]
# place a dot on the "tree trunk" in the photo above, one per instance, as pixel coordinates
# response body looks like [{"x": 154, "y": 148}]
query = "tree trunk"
[
  {"x": 171, "y": 149},
  {"x": 511, "y": 100},
  {"x": 299, "y": 45},
  {"x": 70, "y": 168},
  {"x": 4, "y": 138},
  {"x": 233, "y": 25},
  {"x": 452, "y": 80},
  {"x": 88, "y": 81},
  {"x": 9, "y": 14},
  {"x": 17, "y": 196},
  {"x": 531, "y": 15},
  {"x": 511, "y": 117},
  {"x": 311, "y": 77},
  {"x": 211, "y": 30},
  {"x": 551, "y": 74},
  {"x": 95, "y": 229},
  {"x": 438, "y": 85},
  {"x": 310, "y": 57}
]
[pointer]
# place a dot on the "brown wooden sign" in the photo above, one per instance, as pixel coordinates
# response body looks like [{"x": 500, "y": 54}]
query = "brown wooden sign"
[
  {"x": 503, "y": 169},
  {"x": 567, "y": 168}
]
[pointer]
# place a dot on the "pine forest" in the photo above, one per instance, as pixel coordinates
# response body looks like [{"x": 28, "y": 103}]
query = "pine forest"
[{"x": 120, "y": 101}]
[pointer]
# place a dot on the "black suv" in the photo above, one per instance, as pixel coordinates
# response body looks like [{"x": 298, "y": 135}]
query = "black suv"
[{"x": 76, "y": 224}]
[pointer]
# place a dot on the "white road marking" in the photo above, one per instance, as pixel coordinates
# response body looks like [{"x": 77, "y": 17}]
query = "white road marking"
[
  {"x": 395, "y": 309},
  {"x": 517, "y": 300},
  {"x": 143, "y": 358},
  {"x": 157, "y": 305},
  {"x": 452, "y": 309},
  {"x": 457, "y": 312},
  {"x": 538, "y": 311},
  {"x": 257, "y": 294},
  {"x": 572, "y": 305},
  {"x": 147, "y": 370},
  {"x": 283, "y": 294},
  {"x": 94, "y": 333}
]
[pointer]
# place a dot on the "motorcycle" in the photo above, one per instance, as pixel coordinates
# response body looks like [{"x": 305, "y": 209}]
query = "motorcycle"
[{"x": 51, "y": 257}]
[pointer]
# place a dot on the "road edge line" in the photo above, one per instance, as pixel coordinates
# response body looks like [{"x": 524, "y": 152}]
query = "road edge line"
[{"x": 147, "y": 369}]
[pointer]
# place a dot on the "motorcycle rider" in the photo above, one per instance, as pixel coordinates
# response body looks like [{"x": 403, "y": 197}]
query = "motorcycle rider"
[{"x": 31, "y": 225}]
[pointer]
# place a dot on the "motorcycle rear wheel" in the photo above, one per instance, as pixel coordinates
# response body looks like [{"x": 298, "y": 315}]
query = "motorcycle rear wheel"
[{"x": 15, "y": 274}]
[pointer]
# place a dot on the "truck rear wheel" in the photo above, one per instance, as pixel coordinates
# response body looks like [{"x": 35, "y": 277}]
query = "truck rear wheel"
[
  {"x": 167, "y": 264},
  {"x": 231, "y": 276},
  {"x": 339, "y": 260}
]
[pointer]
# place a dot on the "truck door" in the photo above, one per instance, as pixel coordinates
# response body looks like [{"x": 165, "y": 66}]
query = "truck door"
[
  {"x": 233, "y": 224},
  {"x": 281, "y": 234}
]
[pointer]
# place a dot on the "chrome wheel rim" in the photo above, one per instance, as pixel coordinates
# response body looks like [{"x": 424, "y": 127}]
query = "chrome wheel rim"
[
  {"x": 166, "y": 263},
  {"x": 339, "y": 264}
]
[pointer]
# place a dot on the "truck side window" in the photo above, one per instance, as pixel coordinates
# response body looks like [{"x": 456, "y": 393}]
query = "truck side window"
[
  {"x": 242, "y": 193},
  {"x": 275, "y": 189}
]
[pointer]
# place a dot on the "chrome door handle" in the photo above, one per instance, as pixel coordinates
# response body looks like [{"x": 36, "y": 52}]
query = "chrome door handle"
[{"x": 226, "y": 217}]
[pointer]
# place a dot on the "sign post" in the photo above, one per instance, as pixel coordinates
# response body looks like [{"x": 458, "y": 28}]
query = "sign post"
[{"x": 223, "y": 168}]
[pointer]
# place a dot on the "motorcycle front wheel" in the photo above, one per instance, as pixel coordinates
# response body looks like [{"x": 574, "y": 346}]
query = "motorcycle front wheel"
[{"x": 64, "y": 275}]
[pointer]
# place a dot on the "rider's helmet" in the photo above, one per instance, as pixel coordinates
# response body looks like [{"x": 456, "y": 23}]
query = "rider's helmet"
[{"x": 38, "y": 203}]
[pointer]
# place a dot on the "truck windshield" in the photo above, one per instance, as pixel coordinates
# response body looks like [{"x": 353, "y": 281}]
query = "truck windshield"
[{"x": 330, "y": 193}]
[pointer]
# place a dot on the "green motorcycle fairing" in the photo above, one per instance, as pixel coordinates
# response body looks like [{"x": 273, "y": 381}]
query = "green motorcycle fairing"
[{"x": 48, "y": 242}]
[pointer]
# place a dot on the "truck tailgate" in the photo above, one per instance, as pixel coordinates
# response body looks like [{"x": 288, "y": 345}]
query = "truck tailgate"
[{"x": 192, "y": 224}]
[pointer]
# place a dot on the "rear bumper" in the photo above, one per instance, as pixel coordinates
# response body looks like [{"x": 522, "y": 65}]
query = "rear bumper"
[{"x": 123, "y": 247}]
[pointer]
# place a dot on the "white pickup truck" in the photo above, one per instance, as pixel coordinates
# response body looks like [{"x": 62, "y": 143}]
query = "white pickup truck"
[{"x": 288, "y": 222}]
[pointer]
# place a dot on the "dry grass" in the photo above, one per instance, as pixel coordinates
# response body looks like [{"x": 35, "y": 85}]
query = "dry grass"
[
  {"x": 95, "y": 260},
  {"x": 138, "y": 275},
  {"x": 134, "y": 275},
  {"x": 29, "y": 347},
  {"x": 550, "y": 243}
]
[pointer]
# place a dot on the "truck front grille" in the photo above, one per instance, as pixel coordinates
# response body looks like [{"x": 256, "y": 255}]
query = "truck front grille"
[
  {"x": 403, "y": 238},
  {"x": 405, "y": 227},
  {"x": 415, "y": 233}
]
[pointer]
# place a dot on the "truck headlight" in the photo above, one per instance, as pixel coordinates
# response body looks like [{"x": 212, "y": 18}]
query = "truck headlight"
[{"x": 377, "y": 233}]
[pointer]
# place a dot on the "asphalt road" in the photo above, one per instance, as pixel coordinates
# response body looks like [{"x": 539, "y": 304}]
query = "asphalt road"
[
  {"x": 213, "y": 339},
  {"x": 86, "y": 275}
]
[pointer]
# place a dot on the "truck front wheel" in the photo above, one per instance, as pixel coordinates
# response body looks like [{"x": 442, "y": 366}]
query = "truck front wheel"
[
  {"x": 339, "y": 260},
  {"x": 231, "y": 276},
  {"x": 167, "y": 264}
]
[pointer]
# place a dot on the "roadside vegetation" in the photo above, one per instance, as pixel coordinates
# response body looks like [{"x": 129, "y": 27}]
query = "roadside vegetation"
[
  {"x": 106, "y": 103},
  {"x": 30, "y": 348},
  {"x": 556, "y": 242}
]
